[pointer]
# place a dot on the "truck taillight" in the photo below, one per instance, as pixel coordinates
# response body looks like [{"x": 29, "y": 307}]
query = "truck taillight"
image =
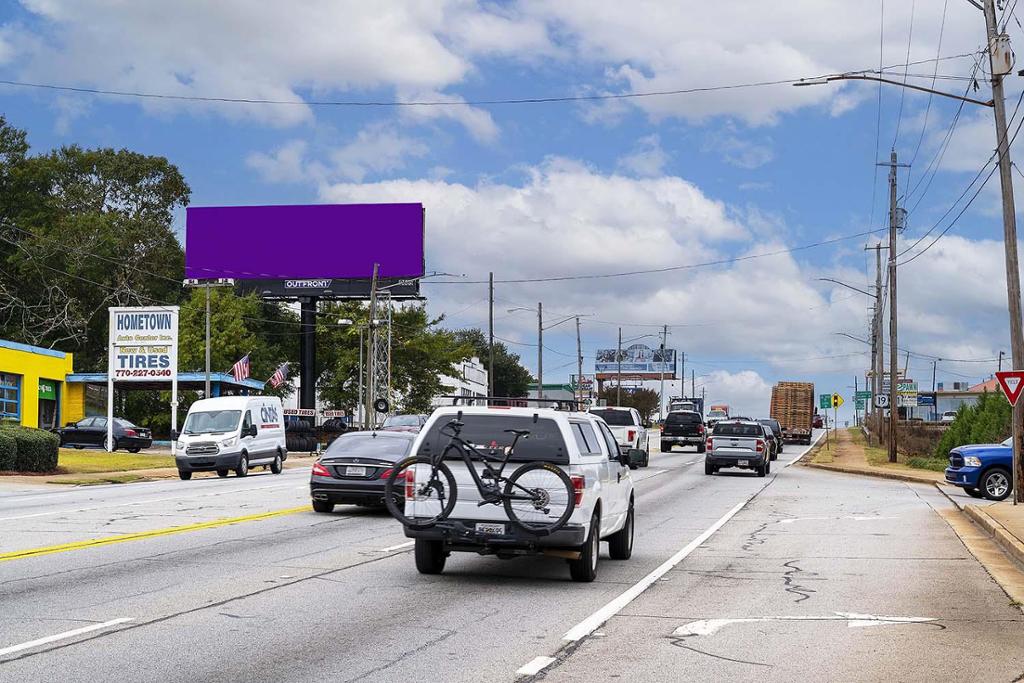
[
  {"x": 760, "y": 446},
  {"x": 630, "y": 435},
  {"x": 410, "y": 483},
  {"x": 710, "y": 444},
  {"x": 579, "y": 484},
  {"x": 700, "y": 429}
]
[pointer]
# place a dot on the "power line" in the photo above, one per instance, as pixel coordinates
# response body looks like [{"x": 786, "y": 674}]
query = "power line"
[
  {"x": 435, "y": 103},
  {"x": 928, "y": 107},
  {"x": 903, "y": 91},
  {"x": 878, "y": 115}
]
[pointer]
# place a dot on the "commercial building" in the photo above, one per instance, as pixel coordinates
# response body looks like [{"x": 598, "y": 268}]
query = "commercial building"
[
  {"x": 471, "y": 381},
  {"x": 34, "y": 391}
]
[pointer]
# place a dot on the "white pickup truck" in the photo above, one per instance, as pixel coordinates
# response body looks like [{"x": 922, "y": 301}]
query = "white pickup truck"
[
  {"x": 627, "y": 427},
  {"x": 580, "y": 443}
]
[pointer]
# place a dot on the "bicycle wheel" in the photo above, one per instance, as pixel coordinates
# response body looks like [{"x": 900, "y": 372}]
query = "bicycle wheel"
[
  {"x": 419, "y": 493},
  {"x": 539, "y": 498}
]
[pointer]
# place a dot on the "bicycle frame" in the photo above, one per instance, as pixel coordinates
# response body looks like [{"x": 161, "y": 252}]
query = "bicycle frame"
[{"x": 490, "y": 494}]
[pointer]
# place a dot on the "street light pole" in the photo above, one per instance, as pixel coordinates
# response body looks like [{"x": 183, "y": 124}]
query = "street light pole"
[
  {"x": 540, "y": 350},
  {"x": 661, "y": 392},
  {"x": 1009, "y": 241}
]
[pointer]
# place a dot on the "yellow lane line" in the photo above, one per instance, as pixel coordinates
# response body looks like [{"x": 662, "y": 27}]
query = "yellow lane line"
[{"x": 122, "y": 538}]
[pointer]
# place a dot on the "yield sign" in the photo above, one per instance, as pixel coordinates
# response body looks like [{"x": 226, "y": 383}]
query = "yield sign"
[{"x": 1012, "y": 382}]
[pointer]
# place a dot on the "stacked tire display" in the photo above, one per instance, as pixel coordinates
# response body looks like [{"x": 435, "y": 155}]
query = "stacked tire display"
[{"x": 300, "y": 436}]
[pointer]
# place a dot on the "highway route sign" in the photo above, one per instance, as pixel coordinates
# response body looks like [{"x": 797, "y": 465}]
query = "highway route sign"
[{"x": 882, "y": 401}]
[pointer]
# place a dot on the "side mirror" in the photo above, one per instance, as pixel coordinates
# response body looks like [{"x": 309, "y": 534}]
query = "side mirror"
[
  {"x": 251, "y": 431},
  {"x": 174, "y": 435}
]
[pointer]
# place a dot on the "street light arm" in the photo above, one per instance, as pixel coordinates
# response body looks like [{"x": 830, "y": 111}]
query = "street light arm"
[
  {"x": 843, "y": 284},
  {"x": 976, "y": 5},
  {"x": 567, "y": 319},
  {"x": 852, "y": 77}
]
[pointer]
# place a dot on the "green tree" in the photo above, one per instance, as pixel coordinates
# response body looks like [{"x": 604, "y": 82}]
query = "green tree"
[
  {"x": 421, "y": 353},
  {"x": 510, "y": 377},
  {"x": 987, "y": 421},
  {"x": 82, "y": 230},
  {"x": 644, "y": 400}
]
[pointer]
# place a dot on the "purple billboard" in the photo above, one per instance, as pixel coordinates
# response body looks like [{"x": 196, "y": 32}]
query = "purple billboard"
[{"x": 340, "y": 241}]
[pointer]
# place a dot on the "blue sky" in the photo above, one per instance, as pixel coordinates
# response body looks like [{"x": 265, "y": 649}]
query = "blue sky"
[{"x": 572, "y": 188}]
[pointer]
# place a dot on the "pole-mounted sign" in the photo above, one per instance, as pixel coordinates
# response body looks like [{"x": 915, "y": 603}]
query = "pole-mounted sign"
[{"x": 1012, "y": 384}]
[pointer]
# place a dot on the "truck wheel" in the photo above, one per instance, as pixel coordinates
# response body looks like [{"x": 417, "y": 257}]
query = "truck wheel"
[
  {"x": 620, "y": 544},
  {"x": 708, "y": 467},
  {"x": 666, "y": 446},
  {"x": 702, "y": 447},
  {"x": 995, "y": 484},
  {"x": 276, "y": 466},
  {"x": 185, "y": 476},
  {"x": 762, "y": 470},
  {"x": 430, "y": 556},
  {"x": 584, "y": 569}
]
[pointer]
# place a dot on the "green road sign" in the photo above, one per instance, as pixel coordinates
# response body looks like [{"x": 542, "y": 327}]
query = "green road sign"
[
  {"x": 863, "y": 396},
  {"x": 861, "y": 403},
  {"x": 825, "y": 401}
]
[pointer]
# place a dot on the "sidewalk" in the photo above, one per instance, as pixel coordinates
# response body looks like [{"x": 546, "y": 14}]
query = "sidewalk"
[
  {"x": 129, "y": 476},
  {"x": 1004, "y": 522},
  {"x": 844, "y": 455}
]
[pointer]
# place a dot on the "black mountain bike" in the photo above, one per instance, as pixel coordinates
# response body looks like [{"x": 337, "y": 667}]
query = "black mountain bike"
[{"x": 421, "y": 490}]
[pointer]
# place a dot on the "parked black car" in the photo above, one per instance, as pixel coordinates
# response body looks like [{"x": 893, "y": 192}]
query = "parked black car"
[
  {"x": 92, "y": 431},
  {"x": 776, "y": 432},
  {"x": 355, "y": 468},
  {"x": 683, "y": 428}
]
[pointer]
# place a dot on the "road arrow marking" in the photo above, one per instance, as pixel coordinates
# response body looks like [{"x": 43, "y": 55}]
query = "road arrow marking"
[{"x": 709, "y": 627}]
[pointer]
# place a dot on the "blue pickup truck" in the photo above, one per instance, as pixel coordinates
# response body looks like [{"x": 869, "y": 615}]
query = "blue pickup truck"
[{"x": 983, "y": 471}]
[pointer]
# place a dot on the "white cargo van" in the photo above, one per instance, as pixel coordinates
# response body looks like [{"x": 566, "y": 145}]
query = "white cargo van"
[{"x": 231, "y": 433}]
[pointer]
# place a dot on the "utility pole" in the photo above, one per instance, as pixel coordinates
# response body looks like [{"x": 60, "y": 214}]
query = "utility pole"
[
  {"x": 1001, "y": 354},
  {"x": 661, "y": 391},
  {"x": 618, "y": 372},
  {"x": 877, "y": 347},
  {"x": 490, "y": 333},
  {"x": 579, "y": 366},
  {"x": 540, "y": 350},
  {"x": 935, "y": 408},
  {"x": 693, "y": 382},
  {"x": 998, "y": 70},
  {"x": 894, "y": 219},
  {"x": 682, "y": 387}
]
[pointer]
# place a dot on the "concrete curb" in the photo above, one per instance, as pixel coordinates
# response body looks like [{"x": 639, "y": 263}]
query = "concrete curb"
[
  {"x": 881, "y": 474},
  {"x": 1007, "y": 541}
]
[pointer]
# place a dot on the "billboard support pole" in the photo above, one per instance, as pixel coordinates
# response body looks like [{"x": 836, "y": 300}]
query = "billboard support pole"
[
  {"x": 618, "y": 371},
  {"x": 109, "y": 443},
  {"x": 661, "y": 391},
  {"x": 370, "y": 348},
  {"x": 307, "y": 353}
]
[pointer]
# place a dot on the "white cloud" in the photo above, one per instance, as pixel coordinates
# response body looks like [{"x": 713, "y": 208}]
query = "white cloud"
[
  {"x": 739, "y": 151},
  {"x": 377, "y": 149},
  {"x": 647, "y": 159}
]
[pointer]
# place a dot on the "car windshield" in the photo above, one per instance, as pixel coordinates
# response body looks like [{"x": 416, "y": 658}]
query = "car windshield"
[
  {"x": 616, "y": 418},
  {"x": 545, "y": 441},
  {"x": 402, "y": 421},
  {"x": 124, "y": 424},
  {"x": 1009, "y": 442},
  {"x": 369, "y": 446},
  {"x": 737, "y": 429},
  {"x": 773, "y": 424},
  {"x": 717, "y": 413},
  {"x": 210, "y": 421},
  {"x": 682, "y": 419}
]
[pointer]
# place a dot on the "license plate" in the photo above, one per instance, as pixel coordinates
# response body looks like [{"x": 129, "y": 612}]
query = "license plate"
[
  {"x": 488, "y": 528},
  {"x": 743, "y": 463},
  {"x": 351, "y": 471}
]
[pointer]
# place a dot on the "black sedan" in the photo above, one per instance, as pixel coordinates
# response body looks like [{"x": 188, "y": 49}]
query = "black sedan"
[
  {"x": 92, "y": 431},
  {"x": 355, "y": 467}
]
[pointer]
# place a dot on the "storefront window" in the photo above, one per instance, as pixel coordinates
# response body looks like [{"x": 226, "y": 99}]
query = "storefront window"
[{"x": 10, "y": 396}]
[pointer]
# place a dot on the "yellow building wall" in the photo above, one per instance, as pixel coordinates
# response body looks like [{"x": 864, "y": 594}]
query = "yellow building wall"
[{"x": 33, "y": 366}]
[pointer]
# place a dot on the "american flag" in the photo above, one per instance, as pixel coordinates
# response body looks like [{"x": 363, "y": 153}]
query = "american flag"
[
  {"x": 241, "y": 369},
  {"x": 279, "y": 376}
]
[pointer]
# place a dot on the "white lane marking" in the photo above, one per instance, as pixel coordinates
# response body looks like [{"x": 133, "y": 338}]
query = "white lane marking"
[
  {"x": 148, "y": 500},
  {"x": 396, "y": 547},
  {"x": 62, "y": 636},
  {"x": 535, "y": 666},
  {"x": 709, "y": 627},
  {"x": 851, "y": 517},
  {"x": 590, "y": 624}
]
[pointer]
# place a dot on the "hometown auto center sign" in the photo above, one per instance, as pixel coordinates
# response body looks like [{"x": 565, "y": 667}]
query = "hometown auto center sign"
[{"x": 144, "y": 344}]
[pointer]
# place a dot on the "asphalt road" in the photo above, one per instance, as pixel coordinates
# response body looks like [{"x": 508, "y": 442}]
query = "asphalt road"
[{"x": 285, "y": 594}]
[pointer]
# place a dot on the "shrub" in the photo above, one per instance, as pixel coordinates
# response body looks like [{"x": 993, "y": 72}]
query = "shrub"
[
  {"x": 36, "y": 450},
  {"x": 988, "y": 421},
  {"x": 8, "y": 450}
]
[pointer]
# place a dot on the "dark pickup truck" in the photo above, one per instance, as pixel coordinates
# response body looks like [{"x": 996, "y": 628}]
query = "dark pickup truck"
[{"x": 683, "y": 428}]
